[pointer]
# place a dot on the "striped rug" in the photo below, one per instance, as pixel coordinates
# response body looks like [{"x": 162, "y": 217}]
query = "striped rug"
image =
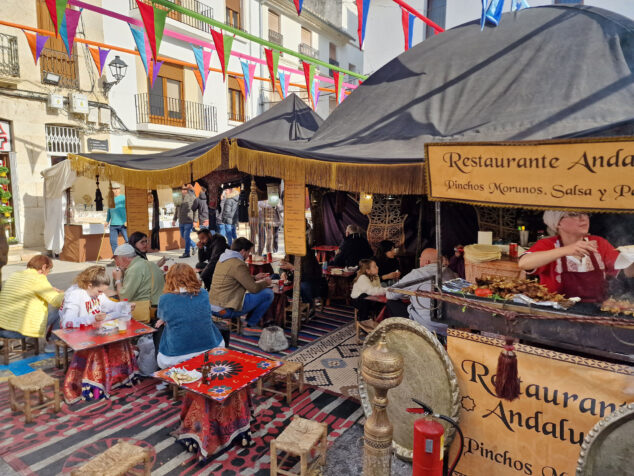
[
  {"x": 325, "y": 322},
  {"x": 55, "y": 444}
]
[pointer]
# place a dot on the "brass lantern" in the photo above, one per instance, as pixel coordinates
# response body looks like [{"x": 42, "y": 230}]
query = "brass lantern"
[{"x": 365, "y": 203}]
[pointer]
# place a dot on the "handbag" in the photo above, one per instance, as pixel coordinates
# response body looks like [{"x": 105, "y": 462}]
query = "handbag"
[
  {"x": 273, "y": 339},
  {"x": 143, "y": 311}
]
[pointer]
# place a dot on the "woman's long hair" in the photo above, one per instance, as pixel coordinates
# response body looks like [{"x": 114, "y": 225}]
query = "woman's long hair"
[
  {"x": 133, "y": 239},
  {"x": 181, "y": 275},
  {"x": 92, "y": 276},
  {"x": 364, "y": 267},
  {"x": 384, "y": 247}
]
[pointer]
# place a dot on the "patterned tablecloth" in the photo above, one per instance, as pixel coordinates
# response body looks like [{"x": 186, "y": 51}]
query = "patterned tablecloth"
[
  {"x": 230, "y": 371},
  {"x": 87, "y": 338}
]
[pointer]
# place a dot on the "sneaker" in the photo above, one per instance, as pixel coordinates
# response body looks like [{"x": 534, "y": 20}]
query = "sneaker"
[{"x": 185, "y": 255}]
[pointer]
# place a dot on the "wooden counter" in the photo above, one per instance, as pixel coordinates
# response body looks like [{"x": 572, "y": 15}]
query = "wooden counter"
[
  {"x": 502, "y": 267},
  {"x": 80, "y": 247}
]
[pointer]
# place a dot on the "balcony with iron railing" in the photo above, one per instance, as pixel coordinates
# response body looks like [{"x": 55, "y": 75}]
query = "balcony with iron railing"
[
  {"x": 237, "y": 117},
  {"x": 308, "y": 50},
  {"x": 155, "y": 109},
  {"x": 58, "y": 63},
  {"x": 9, "y": 61},
  {"x": 276, "y": 37},
  {"x": 192, "y": 5}
]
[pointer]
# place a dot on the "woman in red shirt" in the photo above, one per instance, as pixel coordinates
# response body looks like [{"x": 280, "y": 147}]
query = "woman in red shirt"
[{"x": 572, "y": 262}]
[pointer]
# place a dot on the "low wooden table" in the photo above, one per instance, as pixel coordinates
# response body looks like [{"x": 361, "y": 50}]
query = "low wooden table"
[
  {"x": 339, "y": 285},
  {"x": 87, "y": 338}
]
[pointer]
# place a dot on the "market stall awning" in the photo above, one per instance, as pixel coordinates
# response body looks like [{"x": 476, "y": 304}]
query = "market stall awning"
[
  {"x": 289, "y": 121},
  {"x": 543, "y": 73}
]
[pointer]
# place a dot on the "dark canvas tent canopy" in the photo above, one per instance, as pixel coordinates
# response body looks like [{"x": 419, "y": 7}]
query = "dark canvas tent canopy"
[
  {"x": 544, "y": 72},
  {"x": 288, "y": 121}
]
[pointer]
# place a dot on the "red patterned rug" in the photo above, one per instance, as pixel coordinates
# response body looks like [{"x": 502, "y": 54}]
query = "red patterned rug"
[{"x": 55, "y": 444}]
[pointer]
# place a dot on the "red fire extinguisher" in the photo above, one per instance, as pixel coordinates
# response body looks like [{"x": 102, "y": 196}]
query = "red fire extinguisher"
[{"x": 429, "y": 436}]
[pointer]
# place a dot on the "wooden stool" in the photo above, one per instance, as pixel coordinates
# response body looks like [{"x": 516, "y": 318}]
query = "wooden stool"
[
  {"x": 304, "y": 312},
  {"x": 235, "y": 324},
  {"x": 286, "y": 371},
  {"x": 61, "y": 347},
  {"x": 298, "y": 439},
  {"x": 117, "y": 461},
  {"x": 33, "y": 382},
  {"x": 15, "y": 347}
]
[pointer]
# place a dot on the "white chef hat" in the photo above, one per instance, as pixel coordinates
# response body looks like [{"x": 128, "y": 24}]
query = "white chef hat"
[{"x": 552, "y": 219}]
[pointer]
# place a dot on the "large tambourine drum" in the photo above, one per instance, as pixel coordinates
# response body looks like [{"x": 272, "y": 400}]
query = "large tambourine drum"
[
  {"x": 428, "y": 375},
  {"x": 609, "y": 447}
]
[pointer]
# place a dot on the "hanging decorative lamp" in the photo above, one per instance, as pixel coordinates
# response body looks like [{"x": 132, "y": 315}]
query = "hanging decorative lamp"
[{"x": 365, "y": 203}]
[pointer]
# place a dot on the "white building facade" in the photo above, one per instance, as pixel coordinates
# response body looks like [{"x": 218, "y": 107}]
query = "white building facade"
[{"x": 132, "y": 116}]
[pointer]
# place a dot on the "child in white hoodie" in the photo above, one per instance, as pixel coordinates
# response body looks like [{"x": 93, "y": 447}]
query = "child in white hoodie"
[
  {"x": 85, "y": 301},
  {"x": 367, "y": 283}
]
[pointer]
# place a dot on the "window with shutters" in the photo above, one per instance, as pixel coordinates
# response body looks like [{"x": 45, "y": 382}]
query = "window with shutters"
[
  {"x": 166, "y": 97},
  {"x": 235, "y": 100},
  {"x": 234, "y": 14},
  {"x": 54, "y": 58}
]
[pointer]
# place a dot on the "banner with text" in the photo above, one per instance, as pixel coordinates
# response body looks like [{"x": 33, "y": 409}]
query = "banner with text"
[
  {"x": 294, "y": 218},
  {"x": 592, "y": 174},
  {"x": 562, "y": 398}
]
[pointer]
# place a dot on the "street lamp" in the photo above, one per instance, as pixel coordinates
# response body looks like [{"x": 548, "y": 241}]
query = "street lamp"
[{"x": 118, "y": 69}]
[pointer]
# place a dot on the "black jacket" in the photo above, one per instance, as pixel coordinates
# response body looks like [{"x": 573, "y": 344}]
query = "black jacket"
[
  {"x": 201, "y": 206},
  {"x": 353, "y": 249},
  {"x": 217, "y": 246},
  {"x": 229, "y": 209}
]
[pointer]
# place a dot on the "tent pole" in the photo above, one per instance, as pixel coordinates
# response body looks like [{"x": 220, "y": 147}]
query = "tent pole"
[
  {"x": 436, "y": 311},
  {"x": 419, "y": 238},
  {"x": 295, "y": 319}
]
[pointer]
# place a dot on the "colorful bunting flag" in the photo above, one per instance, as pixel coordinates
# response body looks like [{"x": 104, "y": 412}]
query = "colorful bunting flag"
[
  {"x": 309, "y": 75},
  {"x": 298, "y": 6},
  {"x": 68, "y": 29},
  {"x": 407, "y": 19},
  {"x": 492, "y": 13},
  {"x": 36, "y": 43},
  {"x": 154, "y": 71},
  {"x": 56, "y": 9},
  {"x": 519, "y": 5},
  {"x": 248, "y": 69},
  {"x": 242, "y": 87},
  {"x": 315, "y": 93},
  {"x": 339, "y": 90},
  {"x": 285, "y": 81},
  {"x": 154, "y": 22},
  {"x": 363, "y": 6},
  {"x": 99, "y": 56},
  {"x": 203, "y": 59},
  {"x": 223, "y": 45},
  {"x": 142, "y": 45},
  {"x": 272, "y": 59}
]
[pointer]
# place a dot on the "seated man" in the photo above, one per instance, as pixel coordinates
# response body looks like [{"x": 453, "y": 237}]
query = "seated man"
[
  {"x": 143, "y": 280},
  {"x": 216, "y": 245},
  {"x": 418, "y": 309},
  {"x": 353, "y": 248},
  {"x": 204, "y": 248},
  {"x": 231, "y": 281}
]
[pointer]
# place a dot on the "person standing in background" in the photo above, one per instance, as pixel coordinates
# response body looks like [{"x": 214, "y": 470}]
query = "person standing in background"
[
  {"x": 229, "y": 207},
  {"x": 184, "y": 214},
  {"x": 200, "y": 205},
  {"x": 116, "y": 217}
]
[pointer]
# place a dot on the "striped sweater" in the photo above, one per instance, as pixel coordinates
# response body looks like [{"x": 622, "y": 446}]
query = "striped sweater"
[{"x": 24, "y": 301}]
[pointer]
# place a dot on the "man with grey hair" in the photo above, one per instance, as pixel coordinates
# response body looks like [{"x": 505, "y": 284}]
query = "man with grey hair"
[{"x": 143, "y": 280}]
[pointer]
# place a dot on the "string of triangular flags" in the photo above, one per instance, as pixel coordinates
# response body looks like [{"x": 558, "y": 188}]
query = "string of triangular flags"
[
  {"x": 492, "y": 10},
  {"x": 65, "y": 21}
]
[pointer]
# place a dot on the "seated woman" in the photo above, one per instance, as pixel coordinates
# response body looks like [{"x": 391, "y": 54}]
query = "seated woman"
[
  {"x": 139, "y": 242},
  {"x": 367, "y": 283},
  {"x": 185, "y": 312},
  {"x": 387, "y": 263},
  {"x": 93, "y": 373},
  {"x": 25, "y": 298}
]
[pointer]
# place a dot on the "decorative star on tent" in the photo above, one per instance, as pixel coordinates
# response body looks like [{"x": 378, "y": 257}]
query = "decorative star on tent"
[
  {"x": 154, "y": 22},
  {"x": 248, "y": 69},
  {"x": 223, "y": 45},
  {"x": 407, "y": 19},
  {"x": 99, "y": 56},
  {"x": 36, "y": 43},
  {"x": 272, "y": 60},
  {"x": 56, "y": 9},
  {"x": 68, "y": 29},
  {"x": 363, "y": 6}
]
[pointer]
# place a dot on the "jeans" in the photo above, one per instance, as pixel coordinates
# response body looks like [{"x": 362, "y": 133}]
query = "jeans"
[
  {"x": 228, "y": 231},
  {"x": 115, "y": 231},
  {"x": 257, "y": 304},
  {"x": 186, "y": 231}
]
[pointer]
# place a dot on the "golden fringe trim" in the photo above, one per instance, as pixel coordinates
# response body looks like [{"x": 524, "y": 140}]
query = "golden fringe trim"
[
  {"x": 148, "y": 179},
  {"x": 402, "y": 179}
]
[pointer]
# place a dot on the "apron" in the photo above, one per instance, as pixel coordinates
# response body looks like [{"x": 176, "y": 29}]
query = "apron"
[{"x": 589, "y": 286}]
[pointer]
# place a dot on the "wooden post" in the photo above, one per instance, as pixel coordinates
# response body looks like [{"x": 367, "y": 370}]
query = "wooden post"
[
  {"x": 295, "y": 317},
  {"x": 136, "y": 210}
]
